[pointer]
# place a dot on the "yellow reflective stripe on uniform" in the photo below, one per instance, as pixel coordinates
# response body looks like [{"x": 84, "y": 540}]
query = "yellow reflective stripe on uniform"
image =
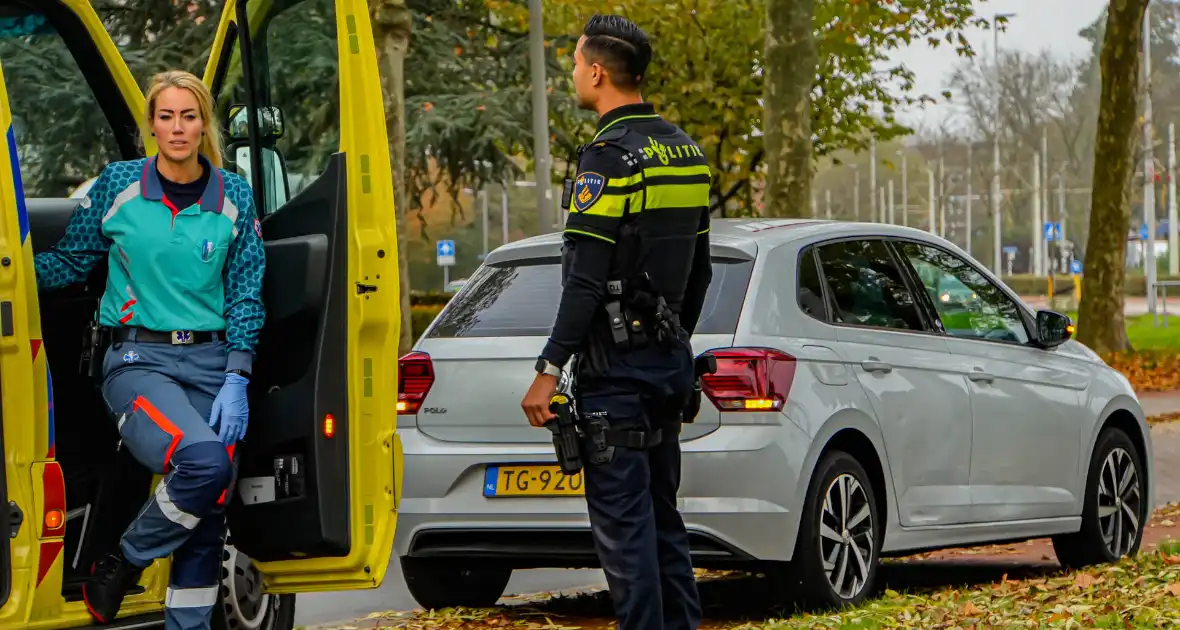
[
  {"x": 623, "y": 182},
  {"x": 608, "y": 205},
  {"x": 704, "y": 231},
  {"x": 659, "y": 171},
  {"x": 591, "y": 234},
  {"x": 677, "y": 196}
]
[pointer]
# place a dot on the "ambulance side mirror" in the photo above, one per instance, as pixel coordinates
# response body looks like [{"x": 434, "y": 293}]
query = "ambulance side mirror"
[{"x": 270, "y": 123}]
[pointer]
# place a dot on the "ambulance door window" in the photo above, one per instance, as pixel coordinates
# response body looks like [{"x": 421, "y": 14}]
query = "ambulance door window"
[
  {"x": 296, "y": 71},
  {"x": 63, "y": 134}
]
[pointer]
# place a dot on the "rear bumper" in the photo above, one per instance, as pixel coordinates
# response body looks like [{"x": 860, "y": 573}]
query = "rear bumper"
[{"x": 737, "y": 497}]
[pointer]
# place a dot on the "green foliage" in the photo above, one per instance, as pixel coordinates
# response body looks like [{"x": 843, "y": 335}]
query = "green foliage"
[
  {"x": 468, "y": 103},
  {"x": 705, "y": 74},
  {"x": 855, "y": 39},
  {"x": 421, "y": 317},
  {"x": 63, "y": 137}
]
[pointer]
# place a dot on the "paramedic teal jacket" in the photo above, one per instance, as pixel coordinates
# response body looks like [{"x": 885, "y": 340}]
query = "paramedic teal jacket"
[{"x": 198, "y": 268}]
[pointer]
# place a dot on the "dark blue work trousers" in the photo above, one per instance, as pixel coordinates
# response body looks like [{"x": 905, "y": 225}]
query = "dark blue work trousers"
[
  {"x": 162, "y": 396},
  {"x": 638, "y": 532}
]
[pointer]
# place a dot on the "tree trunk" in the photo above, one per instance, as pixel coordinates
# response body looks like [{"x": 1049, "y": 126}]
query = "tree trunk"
[
  {"x": 790, "y": 65},
  {"x": 1100, "y": 315},
  {"x": 392, "y": 25}
]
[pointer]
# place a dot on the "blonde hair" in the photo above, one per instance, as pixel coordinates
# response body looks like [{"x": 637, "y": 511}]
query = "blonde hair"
[{"x": 211, "y": 140}]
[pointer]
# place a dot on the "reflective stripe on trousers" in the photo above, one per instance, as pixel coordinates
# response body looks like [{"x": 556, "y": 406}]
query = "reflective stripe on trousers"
[{"x": 162, "y": 396}]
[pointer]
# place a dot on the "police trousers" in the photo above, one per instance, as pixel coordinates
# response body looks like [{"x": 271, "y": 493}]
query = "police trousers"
[
  {"x": 638, "y": 532},
  {"x": 162, "y": 395}
]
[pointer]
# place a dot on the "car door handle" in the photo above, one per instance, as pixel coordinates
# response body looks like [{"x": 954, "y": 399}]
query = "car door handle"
[
  {"x": 979, "y": 376},
  {"x": 873, "y": 365}
]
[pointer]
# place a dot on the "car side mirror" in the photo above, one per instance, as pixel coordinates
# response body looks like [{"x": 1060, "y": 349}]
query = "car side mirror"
[
  {"x": 1053, "y": 329},
  {"x": 270, "y": 123}
]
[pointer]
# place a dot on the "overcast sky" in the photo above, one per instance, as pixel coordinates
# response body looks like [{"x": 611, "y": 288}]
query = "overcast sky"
[{"x": 1037, "y": 25}]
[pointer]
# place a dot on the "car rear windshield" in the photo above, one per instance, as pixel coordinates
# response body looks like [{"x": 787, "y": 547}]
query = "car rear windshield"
[{"x": 521, "y": 300}]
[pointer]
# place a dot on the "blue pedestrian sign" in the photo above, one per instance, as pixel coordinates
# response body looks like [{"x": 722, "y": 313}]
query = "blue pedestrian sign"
[
  {"x": 1075, "y": 266},
  {"x": 1052, "y": 231},
  {"x": 1143, "y": 232},
  {"x": 444, "y": 253}
]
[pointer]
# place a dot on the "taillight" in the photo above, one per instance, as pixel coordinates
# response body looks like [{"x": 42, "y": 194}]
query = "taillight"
[
  {"x": 749, "y": 379},
  {"x": 53, "y": 515},
  {"x": 415, "y": 375}
]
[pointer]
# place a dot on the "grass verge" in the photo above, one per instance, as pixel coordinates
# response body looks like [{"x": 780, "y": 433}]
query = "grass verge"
[{"x": 980, "y": 588}]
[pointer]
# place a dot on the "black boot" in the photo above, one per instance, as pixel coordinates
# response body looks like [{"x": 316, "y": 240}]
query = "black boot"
[{"x": 109, "y": 581}]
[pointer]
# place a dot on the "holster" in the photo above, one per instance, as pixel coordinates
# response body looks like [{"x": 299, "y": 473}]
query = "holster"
[
  {"x": 566, "y": 442},
  {"x": 602, "y": 439},
  {"x": 95, "y": 341},
  {"x": 637, "y": 315}
]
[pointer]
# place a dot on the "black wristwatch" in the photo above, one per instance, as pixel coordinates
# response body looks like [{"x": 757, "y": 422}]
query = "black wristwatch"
[
  {"x": 242, "y": 373},
  {"x": 545, "y": 367}
]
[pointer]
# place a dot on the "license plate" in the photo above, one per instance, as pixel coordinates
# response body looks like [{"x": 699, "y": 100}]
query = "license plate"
[{"x": 531, "y": 480}]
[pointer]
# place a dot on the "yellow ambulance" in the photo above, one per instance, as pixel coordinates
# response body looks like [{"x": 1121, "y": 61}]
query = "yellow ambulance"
[{"x": 319, "y": 479}]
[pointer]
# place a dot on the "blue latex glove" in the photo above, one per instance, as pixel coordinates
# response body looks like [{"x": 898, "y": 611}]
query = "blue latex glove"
[{"x": 231, "y": 409}]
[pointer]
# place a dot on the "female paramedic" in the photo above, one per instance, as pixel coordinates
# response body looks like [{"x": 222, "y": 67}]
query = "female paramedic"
[{"x": 183, "y": 305}]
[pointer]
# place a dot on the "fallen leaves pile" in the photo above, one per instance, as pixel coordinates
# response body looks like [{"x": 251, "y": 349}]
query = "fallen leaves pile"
[
  {"x": 941, "y": 594},
  {"x": 1148, "y": 370},
  {"x": 1164, "y": 417},
  {"x": 1139, "y": 593}
]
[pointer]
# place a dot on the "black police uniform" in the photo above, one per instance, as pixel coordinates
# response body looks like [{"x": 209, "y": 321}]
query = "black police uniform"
[{"x": 637, "y": 268}]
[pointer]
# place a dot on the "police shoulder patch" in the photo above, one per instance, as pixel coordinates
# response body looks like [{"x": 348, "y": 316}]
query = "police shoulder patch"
[{"x": 588, "y": 189}]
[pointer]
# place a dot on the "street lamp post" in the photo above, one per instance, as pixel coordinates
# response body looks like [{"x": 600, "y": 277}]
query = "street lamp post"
[
  {"x": 540, "y": 114},
  {"x": 905, "y": 188},
  {"x": 997, "y": 223}
]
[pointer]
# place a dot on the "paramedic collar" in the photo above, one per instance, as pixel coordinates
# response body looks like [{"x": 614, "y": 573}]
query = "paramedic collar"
[{"x": 211, "y": 199}]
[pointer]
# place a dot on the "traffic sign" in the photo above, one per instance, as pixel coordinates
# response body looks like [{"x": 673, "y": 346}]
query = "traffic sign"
[
  {"x": 444, "y": 253},
  {"x": 1143, "y": 232},
  {"x": 1010, "y": 250},
  {"x": 1052, "y": 231},
  {"x": 1075, "y": 266}
]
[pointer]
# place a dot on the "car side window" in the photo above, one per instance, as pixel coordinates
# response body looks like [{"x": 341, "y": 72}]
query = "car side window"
[
  {"x": 867, "y": 286},
  {"x": 969, "y": 305},
  {"x": 811, "y": 287}
]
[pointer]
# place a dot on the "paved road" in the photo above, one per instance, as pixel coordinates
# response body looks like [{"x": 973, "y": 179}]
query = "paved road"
[
  {"x": 319, "y": 608},
  {"x": 324, "y": 608}
]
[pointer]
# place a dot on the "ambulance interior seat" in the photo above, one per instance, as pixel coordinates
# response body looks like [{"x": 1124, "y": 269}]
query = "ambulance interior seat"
[{"x": 105, "y": 486}]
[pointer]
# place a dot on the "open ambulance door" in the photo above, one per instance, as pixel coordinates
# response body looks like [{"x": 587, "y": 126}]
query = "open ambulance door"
[
  {"x": 16, "y": 261},
  {"x": 298, "y": 92}
]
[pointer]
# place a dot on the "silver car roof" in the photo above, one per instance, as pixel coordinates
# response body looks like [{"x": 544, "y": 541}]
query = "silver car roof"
[{"x": 732, "y": 238}]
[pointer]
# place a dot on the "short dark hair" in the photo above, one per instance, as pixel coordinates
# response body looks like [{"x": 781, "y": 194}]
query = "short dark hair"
[{"x": 619, "y": 45}]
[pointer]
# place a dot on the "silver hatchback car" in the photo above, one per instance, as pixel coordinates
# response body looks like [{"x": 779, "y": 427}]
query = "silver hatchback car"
[{"x": 878, "y": 393}]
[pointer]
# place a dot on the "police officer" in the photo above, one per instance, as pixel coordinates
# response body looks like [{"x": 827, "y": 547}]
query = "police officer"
[
  {"x": 183, "y": 301},
  {"x": 637, "y": 267}
]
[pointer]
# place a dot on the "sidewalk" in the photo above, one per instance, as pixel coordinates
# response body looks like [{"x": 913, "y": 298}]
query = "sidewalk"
[
  {"x": 1133, "y": 306},
  {"x": 1160, "y": 403}
]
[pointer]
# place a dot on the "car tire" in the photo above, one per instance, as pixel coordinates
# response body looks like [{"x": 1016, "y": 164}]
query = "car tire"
[
  {"x": 1113, "y": 516},
  {"x": 840, "y": 522},
  {"x": 437, "y": 584},
  {"x": 242, "y": 605}
]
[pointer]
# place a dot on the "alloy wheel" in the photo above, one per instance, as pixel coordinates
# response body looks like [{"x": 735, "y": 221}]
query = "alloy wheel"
[
  {"x": 1120, "y": 503},
  {"x": 847, "y": 544}
]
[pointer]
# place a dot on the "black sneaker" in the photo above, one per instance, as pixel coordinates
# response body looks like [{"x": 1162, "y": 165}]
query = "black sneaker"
[{"x": 109, "y": 580}]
